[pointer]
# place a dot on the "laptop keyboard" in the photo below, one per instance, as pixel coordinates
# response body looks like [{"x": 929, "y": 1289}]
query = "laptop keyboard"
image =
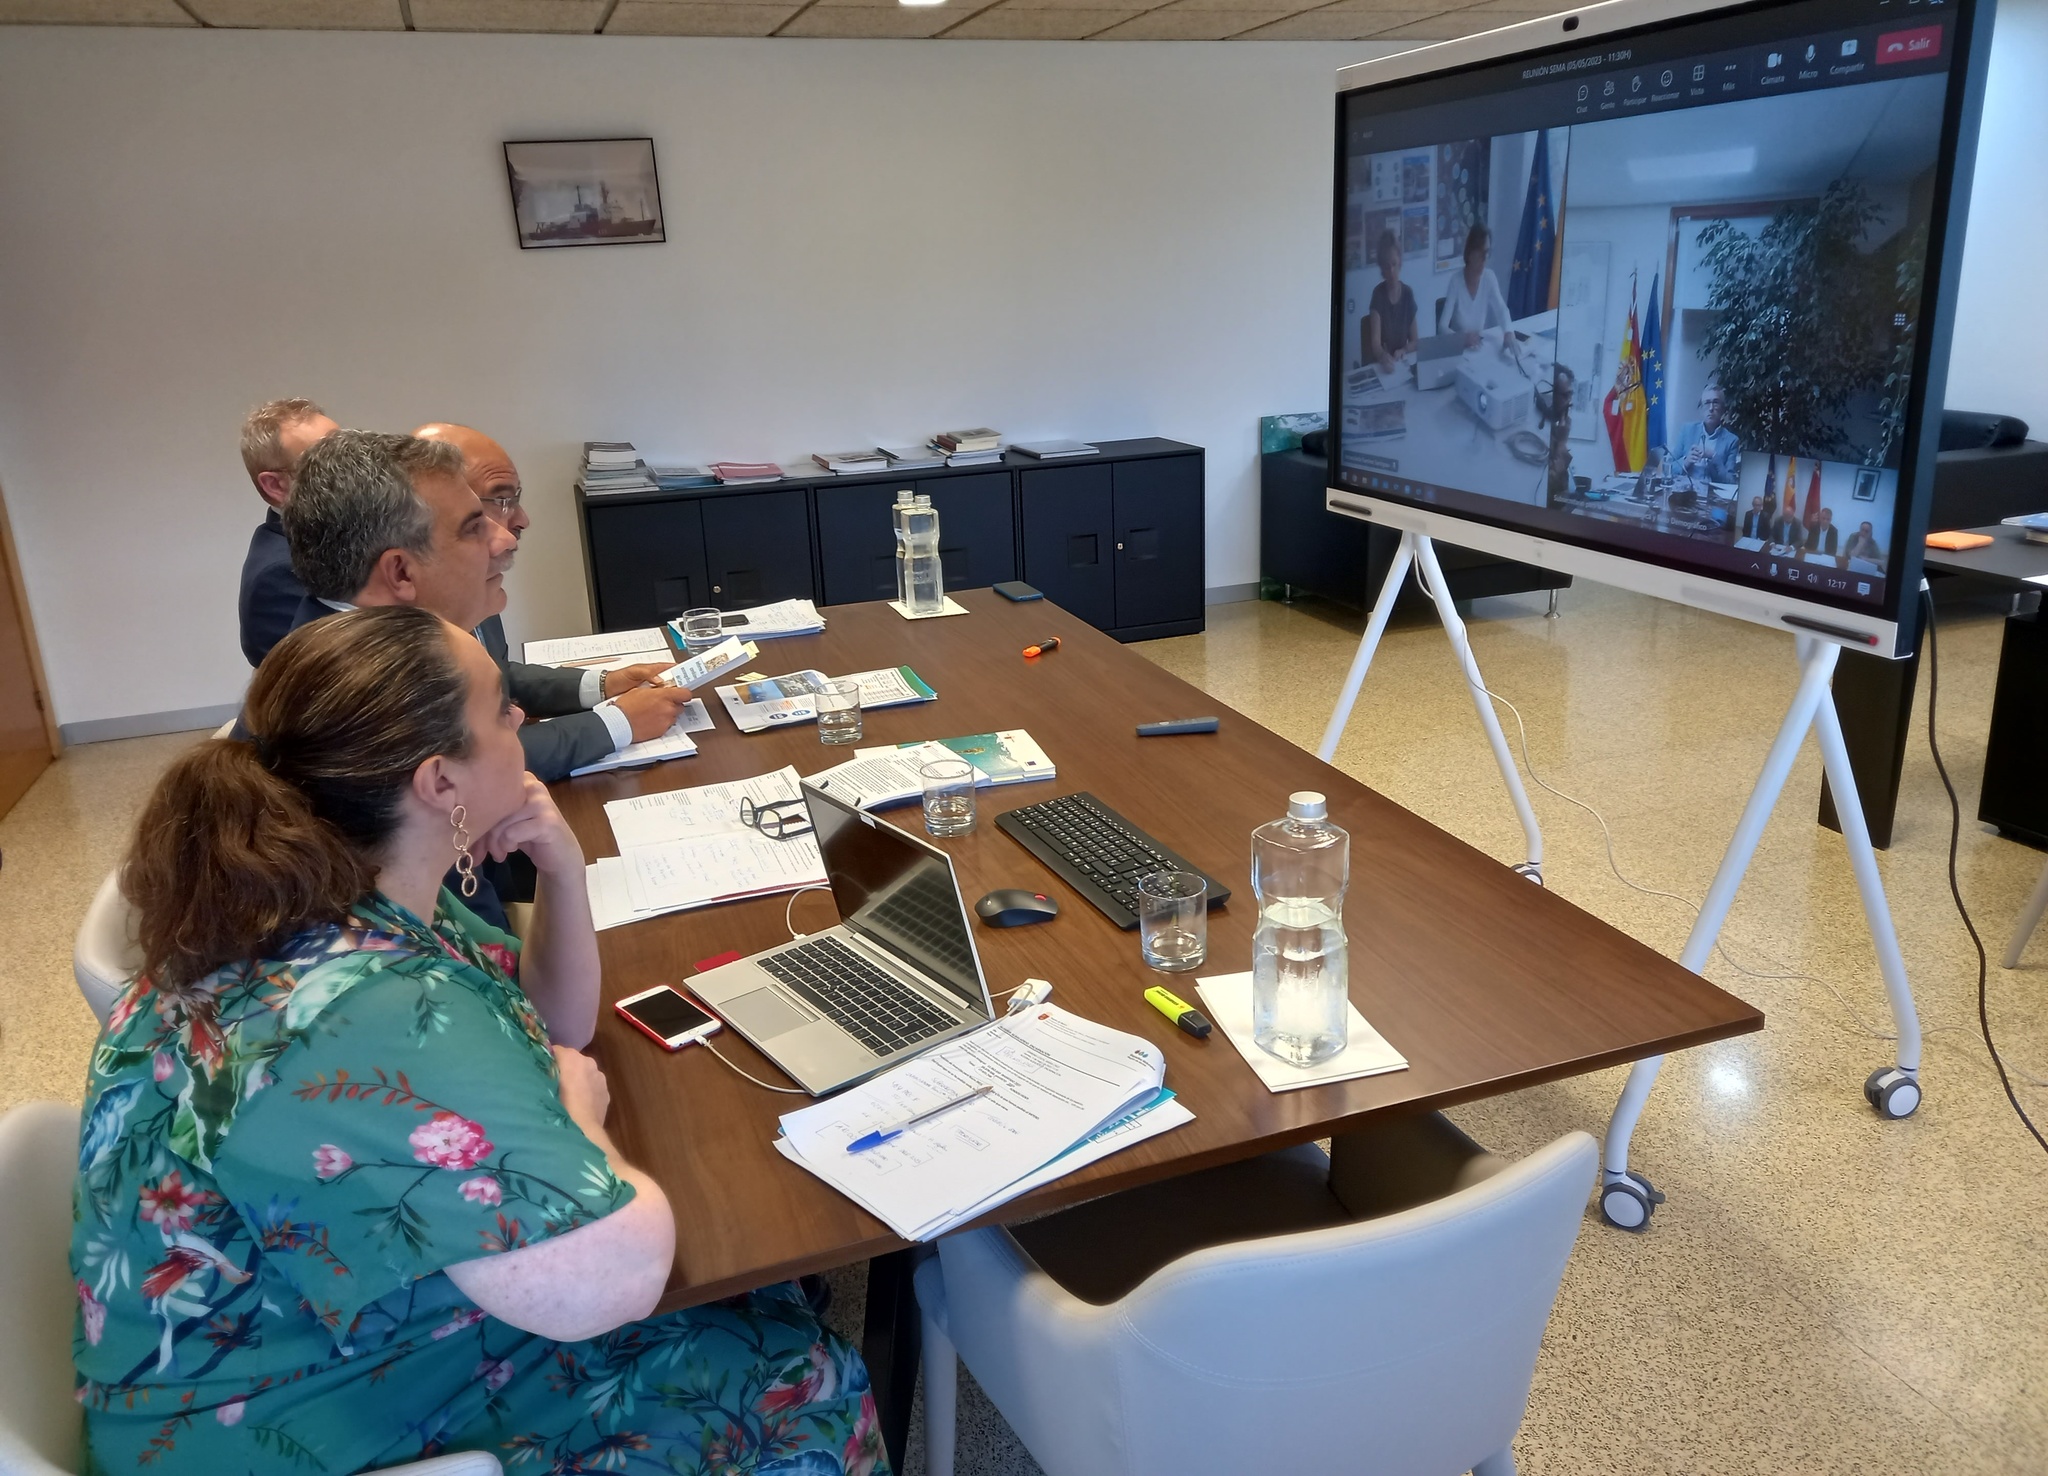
[{"x": 866, "y": 1002}]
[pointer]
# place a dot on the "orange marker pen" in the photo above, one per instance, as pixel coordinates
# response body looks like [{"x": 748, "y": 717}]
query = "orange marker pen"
[{"x": 1050, "y": 643}]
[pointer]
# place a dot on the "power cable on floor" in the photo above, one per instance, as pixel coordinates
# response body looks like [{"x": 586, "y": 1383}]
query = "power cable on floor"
[{"x": 1955, "y": 831}]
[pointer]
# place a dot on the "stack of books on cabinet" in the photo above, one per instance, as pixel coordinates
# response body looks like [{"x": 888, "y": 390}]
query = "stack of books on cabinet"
[
  {"x": 611, "y": 467},
  {"x": 682, "y": 478},
  {"x": 744, "y": 473},
  {"x": 978, "y": 447},
  {"x": 852, "y": 463}
]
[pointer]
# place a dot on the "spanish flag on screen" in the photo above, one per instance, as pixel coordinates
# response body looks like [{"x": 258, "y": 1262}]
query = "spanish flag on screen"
[{"x": 1623, "y": 408}]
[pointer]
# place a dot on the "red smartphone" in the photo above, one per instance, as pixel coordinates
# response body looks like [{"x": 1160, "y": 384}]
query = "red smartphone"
[{"x": 667, "y": 1016}]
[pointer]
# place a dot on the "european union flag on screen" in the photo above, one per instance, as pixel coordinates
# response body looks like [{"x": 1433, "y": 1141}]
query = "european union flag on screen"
[
  {"x": 1536, "y": 244},
  {"x": 1653, "y": 372}
]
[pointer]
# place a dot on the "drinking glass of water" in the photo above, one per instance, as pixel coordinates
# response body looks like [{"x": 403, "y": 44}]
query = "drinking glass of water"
[
  {"x": 948, "y": 796},
  {"x": 702, "y": 629},
  {"x": 839, "y": 713},
  {"x": 1173, "y": 920}
]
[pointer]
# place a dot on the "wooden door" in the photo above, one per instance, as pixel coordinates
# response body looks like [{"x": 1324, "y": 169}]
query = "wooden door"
[{"x": 28, "y": 739}]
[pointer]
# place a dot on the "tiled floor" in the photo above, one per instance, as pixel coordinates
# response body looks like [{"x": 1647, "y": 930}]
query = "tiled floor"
[{"x": 1824, "y": 1292}]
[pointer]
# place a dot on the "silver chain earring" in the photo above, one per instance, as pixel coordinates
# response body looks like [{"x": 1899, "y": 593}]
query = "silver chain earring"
[{"x": 465, "y": 864}]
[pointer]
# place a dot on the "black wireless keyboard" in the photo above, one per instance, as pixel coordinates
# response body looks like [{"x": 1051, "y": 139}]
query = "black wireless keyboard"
[{"x": 1097, "y": 852}]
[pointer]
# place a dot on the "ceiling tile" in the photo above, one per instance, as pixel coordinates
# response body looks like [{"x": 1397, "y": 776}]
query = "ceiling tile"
[
  {"x": 666, "y": 18},
  {"x": 507, "y": 15},
  {"x": 1124, "y": 9},
  {"x": 1333, "y": 24},
  {"x": 1175, "y": 24},
  {"x": 1006, "y": 24},
  {"x": 301, "y": 15},
  {"x": 93, "y": 13},
  {"x": 872, "y": 21}
]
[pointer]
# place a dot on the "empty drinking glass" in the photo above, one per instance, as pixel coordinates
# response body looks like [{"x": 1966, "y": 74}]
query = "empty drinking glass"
[
  {"x": 702, "y": 629},
  {"x": 948, "y": 796},
  {"x": 839, "y": 713},
  {"x": 1173, "y": 920}
]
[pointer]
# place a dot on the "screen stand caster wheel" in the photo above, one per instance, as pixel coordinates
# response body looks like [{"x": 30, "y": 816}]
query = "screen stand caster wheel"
[
  {"x": 1892, "y": 1092},
  {"x": 1627, "y": 1202}
]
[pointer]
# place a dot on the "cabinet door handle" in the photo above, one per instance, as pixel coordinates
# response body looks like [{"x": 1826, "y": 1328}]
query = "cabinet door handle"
[
  {"x": 1119, "y": 548},
  {"x": 719, "y": 589}
]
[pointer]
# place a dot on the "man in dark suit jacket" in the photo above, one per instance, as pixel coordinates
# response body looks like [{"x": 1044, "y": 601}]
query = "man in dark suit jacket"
[
  {"x": 557, "y": 693},
  {"x": 274, "y": 438},
  {"x": 391, "y": 520},
  {"x": 1756, "y": 523},
  {"x": 1822, "y": 535}
]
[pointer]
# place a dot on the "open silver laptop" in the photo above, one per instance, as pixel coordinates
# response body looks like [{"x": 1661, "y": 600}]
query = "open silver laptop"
[
  {"x": 897, "y": 974},
  {"x": 1437, "y": 358}
]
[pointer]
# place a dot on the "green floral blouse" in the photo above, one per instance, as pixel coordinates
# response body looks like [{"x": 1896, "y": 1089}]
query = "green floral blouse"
[{"x": 278, "y": 1163}]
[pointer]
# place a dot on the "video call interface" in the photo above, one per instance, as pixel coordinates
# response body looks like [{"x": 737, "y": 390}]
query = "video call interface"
[{"x": 1666, "y": 302}]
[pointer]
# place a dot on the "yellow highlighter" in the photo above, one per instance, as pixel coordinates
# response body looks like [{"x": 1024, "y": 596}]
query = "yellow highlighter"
[{"x": 1178, "y": 1010}]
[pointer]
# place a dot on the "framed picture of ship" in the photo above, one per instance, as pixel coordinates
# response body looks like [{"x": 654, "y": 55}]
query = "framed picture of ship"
[{"x": 584, "y": 192}]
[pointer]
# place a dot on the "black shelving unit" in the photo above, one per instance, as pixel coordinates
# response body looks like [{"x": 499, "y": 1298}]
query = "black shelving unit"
[{"x": 1115, "y": 538}]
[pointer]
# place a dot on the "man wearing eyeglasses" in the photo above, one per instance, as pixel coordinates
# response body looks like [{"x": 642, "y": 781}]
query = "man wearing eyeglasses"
[{"x": 570, "y": 727}]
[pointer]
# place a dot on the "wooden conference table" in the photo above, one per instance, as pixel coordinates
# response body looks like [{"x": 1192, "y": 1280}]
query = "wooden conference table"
[{"x": 1483, "y": 980}]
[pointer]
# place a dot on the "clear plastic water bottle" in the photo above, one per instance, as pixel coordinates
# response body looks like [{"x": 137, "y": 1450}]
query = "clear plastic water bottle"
[
  {"x": 920, "y": 582},
  {"x": 1300, "y": 960}
]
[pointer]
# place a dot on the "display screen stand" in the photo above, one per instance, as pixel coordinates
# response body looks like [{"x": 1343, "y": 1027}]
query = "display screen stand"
[{"x": 1627, "y": 1199}]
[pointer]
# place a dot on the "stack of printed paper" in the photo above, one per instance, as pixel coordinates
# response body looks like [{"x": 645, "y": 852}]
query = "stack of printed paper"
[
  {"x": 610, "y": 649},
  {"x": 686, "y": 848},
  {"x": 764, "y": 622},
  {"x": 1065, "y": 1092}
]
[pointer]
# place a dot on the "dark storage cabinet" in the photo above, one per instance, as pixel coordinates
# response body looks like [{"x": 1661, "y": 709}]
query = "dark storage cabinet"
[
  {"x": 1158, "y": 507},
  {"x": 1068, "y": 538},
  {"x": 1305, "y": 546},
  {"x": 1117, "y": 539},
  {"x": 857, "y": 544},
  {"x": 757, "y": 547},
  {"x": 1119, "y": 545}
]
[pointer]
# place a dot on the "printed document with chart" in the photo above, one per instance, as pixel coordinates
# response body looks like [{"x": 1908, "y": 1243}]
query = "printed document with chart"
[{"x": 1058, "y": 1080}]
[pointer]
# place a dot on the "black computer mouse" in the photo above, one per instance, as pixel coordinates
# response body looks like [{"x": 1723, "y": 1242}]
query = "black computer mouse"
[{"x": 1013, "y": 907}]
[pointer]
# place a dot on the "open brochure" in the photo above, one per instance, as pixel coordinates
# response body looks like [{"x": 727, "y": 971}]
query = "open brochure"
[
  {"x": 1058, "y": 1081},
  {"x": 875, "y": 778},
  {"x": 696, "y": 670},
  {"x": 760, "y": 703}
]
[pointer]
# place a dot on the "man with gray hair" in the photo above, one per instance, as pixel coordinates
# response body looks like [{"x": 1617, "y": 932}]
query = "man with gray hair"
[
  {"x": 274, "y": 437},
  {"x": 390, "y": 520}
]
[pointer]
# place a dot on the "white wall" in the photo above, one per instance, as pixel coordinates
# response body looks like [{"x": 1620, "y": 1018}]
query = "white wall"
[
  {"x": 868, "y": 241},
  {"x": 2000, "y": 359}
]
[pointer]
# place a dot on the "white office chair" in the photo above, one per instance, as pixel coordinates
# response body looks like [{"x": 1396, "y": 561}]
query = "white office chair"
[
  {"x": 105, "y": 955},
  {"x": 2030, "y": 919},
  {"x": 1146, "y": 1335},
  {"x": 40, "y": 1421}
]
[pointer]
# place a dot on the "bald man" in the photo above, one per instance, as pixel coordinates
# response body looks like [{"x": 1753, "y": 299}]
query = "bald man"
[{"x": 580, "y": 716}]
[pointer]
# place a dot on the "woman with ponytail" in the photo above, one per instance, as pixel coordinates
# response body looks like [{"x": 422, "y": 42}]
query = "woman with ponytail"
[{"x": 345, "y": 1197}]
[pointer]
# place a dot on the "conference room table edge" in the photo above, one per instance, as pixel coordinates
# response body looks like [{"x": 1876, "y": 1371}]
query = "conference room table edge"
[
  {"x": 1076, "y": 1189},
  {"x": 1128, "y": 1169}
]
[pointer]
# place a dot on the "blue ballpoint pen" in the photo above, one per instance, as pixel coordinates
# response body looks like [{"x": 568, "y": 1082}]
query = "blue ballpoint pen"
[{"x": 880, "y": 1136}]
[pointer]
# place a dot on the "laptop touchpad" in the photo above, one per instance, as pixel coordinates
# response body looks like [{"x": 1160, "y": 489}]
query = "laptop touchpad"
[{"x": 764, "y": 1014}]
